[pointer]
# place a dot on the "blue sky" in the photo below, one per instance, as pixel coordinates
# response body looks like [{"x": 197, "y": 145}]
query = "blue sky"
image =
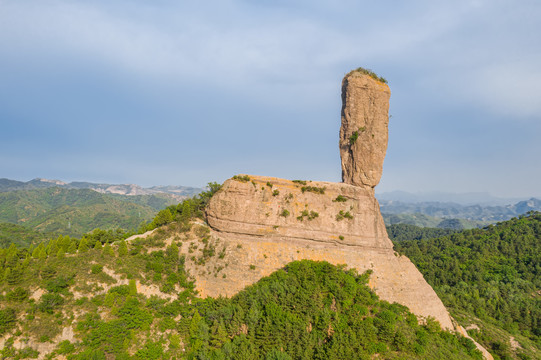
[{"x": 183, "y": 93}]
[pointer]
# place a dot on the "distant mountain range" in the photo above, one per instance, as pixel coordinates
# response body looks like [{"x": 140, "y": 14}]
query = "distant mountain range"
[
  {"x": 177, "y": 192},
  {"x": 452, "y": 215},
  {"x": 471, "y": 198}
]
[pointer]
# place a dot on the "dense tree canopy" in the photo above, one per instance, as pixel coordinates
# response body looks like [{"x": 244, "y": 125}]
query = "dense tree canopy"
[{"x": 493, "y": 273}]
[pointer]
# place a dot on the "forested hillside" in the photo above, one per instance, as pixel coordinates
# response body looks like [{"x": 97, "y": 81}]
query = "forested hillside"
[
  {"x": 401, "y": 232},
  {"x": 75, "y": 212},
  {"x": 493, "y": 274},
  {"x": 19, "y": 235}
]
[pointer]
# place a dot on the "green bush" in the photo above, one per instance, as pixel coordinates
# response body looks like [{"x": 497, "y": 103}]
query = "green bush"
[
  {"x": 314, "y": 189},
  {"x": 49, "y": 302},
  {"x": 344, "y": 215},
  {"x": 241, "y": 178},
  {"x": 65, "y": 348},
  {"x": 59, "y": 284},
  {"x": 96, "y": 269},
  {"x": 8, "y": 318},
  {"x": 18, "y": 294}
]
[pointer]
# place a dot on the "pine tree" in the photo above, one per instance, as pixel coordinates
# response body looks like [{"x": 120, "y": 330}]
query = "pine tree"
[
  {"x": 107, "y": 250},
  {"x": 72, "y": 248},
  {"x": 65, "y": 243},
  {"x": 52, "y": 248},
  {"x": 43, "y": 254},
  {"x": 123, "y": 248},
  {"x": 97, "y": 245},
  {"x": 218, "y": 335},
  {"x": 133, "y": 287},
  {"x": 83, "y": 245},
  {"x": 37, "y": 251}
]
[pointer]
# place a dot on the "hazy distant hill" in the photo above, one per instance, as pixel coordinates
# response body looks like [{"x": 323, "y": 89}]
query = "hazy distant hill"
[
  {"x": 178, "y": 192},
  {"x": 475, "y": 213},
  {"x": 76, "y": 211},
  {"x": 472, "y": 198},
  {"x": 427, "y": 221}
]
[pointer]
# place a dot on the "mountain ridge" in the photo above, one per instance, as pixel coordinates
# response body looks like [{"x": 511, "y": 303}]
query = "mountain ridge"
[
  {"x": 178, "y": 192},
  {"x": 449, "y": 210}
]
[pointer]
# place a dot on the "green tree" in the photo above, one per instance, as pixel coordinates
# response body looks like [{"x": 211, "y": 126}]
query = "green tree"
[
  {"x": 52, "y": 248},
  {"x": 72, "y": 248},
  {"x": 133, "y": 287},
  {"x": 83, "y": 245},
  {"x": 218, "y": 334},
  {"x": 108, "y": 250},
  {"x": 122, "y": 248},
  {"x": 37, "y": 251},
  {"x": 163, "y": 217}
]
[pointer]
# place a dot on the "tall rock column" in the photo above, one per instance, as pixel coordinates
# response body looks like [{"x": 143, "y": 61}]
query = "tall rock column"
[{"x": 364, "y": 130}]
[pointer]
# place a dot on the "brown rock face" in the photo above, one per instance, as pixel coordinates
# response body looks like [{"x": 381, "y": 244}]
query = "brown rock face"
[
  {"x": 364, "y": 130},
  {"x": 326, "y": 212}
]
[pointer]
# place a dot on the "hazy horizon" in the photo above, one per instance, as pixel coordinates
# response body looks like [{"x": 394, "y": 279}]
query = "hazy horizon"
[
  {"x": 173, "y": 93},
  {"x": 441, "y": 196}
]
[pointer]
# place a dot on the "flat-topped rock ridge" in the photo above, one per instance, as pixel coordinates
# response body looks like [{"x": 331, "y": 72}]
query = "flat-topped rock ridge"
[{"x": 314, "y": 210}]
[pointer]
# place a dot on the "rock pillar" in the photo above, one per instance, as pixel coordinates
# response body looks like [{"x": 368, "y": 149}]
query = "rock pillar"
[{"x": 364, "y": 130}]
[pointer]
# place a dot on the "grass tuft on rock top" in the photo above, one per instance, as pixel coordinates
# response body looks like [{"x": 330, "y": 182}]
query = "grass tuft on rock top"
[{"x": 368, "y": 72}]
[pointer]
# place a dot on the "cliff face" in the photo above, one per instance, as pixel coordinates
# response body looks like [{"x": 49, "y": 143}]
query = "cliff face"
[
  {"x": 263, "y": 223},
  {"x": 324, "y": 212}
]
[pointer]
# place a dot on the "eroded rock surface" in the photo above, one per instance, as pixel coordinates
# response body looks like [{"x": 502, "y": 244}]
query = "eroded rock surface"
[
  {"x": 320, "y": 211},
  {"x": 364, "y": 130}
]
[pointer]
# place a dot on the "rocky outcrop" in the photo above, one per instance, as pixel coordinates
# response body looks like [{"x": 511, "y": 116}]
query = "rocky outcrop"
[
  {"x": 263, "y": 223},
  {"x": 364, "y": 130},
  {"x": 324, "y": 212},
  {"x": 276, "y": 221}
]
